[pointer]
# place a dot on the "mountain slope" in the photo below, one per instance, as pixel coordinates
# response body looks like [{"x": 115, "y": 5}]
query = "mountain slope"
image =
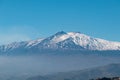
[{"x": 112, "y": 70}]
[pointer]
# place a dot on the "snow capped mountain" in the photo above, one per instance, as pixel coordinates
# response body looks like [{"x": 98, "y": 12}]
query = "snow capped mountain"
[
  {"x": 63, "y": 40},
  {"x": 78, "y": 39}
]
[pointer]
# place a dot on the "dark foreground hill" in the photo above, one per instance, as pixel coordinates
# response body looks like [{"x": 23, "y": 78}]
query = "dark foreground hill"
[{"x": 105, "y": 78}]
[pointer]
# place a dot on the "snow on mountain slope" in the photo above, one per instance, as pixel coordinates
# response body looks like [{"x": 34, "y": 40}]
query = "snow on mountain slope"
[
  {"x": 94, "y": 43},
  {"x": 63, "y": 40},
  {"x": 34, "y": 42},
  {"x": 12, "y": 46}
]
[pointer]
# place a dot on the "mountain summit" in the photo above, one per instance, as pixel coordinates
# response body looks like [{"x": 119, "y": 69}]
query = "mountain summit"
[{"x": 63, "y": 40}]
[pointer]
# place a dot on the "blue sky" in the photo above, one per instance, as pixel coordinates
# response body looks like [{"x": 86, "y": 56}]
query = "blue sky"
[{"x": 31, "y": 19}]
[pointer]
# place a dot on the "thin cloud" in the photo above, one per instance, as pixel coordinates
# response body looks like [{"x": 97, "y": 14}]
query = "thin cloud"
[
  {"x": 5, "y": 39},
  {"x": 18, "y": 33}
]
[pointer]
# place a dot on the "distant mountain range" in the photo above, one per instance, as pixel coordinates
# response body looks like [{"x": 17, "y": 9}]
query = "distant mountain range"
[
  {"x": 61, "y": 41},
  {"x": 112, "y": 70}
]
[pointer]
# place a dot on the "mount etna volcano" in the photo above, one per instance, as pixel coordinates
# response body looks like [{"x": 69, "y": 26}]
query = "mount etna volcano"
[{"x": 61, "y": 41}]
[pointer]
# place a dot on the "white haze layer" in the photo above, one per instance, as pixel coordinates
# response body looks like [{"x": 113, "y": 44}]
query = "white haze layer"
[{"x": 48, "y": 64}]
